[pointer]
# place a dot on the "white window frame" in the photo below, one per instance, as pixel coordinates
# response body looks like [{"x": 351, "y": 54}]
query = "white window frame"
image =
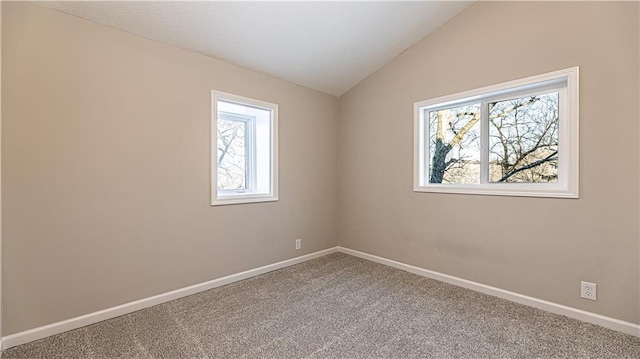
[
  {"x": 249, "y": 194},
  {"x": 565, "y": 82}
]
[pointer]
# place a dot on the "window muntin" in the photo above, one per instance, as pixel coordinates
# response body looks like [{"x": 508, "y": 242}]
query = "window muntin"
[
  {"x": 518, "y": 138},
  {"x": 244, "y": 150}
]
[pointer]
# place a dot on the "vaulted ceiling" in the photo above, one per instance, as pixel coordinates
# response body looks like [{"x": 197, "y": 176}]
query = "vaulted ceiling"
[{"x": 327, "y": 46}]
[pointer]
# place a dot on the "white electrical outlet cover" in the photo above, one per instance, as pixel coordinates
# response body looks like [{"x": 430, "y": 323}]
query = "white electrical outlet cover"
[{"x": 588, "y": 290}]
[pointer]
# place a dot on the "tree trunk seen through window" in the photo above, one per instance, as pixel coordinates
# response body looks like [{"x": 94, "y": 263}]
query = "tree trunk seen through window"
[{"x": 455, "y": 145}]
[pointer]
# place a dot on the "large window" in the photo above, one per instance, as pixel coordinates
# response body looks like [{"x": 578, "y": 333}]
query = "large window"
[
  {"x": 518, "y": 138},
  {"x": 244, "y": 150}
]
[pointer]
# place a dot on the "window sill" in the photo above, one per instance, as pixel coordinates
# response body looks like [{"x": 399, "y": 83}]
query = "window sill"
[
  {"x": 242, "y": 199},
  {"x": 501, "y": 190}
]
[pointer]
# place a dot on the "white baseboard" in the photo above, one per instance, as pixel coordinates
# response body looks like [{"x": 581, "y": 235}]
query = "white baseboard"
[
  {"x": 582, "y": 315},
  {"x": 95, "y": 317},
  {"x": 92, "y": 318}
]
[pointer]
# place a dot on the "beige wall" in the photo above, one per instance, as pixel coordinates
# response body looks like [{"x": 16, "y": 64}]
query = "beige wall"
[
  {"x": 105, "y": 156},
  {"x": 534, "y": 246},
  {"x": 0, "y": 175}
]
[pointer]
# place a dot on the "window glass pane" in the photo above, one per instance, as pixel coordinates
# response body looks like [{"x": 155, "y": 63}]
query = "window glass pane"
[
  {"x": 232, "y": 156},
  {"x": 523, "y": 139},
  {"x": 454, "y": 145}
]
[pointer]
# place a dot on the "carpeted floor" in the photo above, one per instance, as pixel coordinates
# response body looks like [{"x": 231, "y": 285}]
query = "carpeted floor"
[{"x": 337, "y": 306}]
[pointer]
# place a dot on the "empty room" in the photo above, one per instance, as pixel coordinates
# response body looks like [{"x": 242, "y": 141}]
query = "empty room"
[{"x": 331, "y": 179}]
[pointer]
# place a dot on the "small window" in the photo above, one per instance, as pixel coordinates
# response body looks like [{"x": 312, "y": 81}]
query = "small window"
[
  {"x": 244, "y": 150},
  {"x": 518, "y": 138}
]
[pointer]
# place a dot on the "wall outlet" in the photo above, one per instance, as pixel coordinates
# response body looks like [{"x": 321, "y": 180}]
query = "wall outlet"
[
  {"x": 588, "y": 290},
  {"x": 298, "y": 244}
]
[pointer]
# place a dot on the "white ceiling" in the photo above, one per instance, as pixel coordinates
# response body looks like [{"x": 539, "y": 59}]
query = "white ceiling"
[{"x": 327, "y": 46}]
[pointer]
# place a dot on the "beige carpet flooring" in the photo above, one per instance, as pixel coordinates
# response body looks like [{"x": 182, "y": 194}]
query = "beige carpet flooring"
[{"x": 337, "y": 306}]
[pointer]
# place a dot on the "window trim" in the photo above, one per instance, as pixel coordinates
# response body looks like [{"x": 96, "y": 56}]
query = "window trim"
[
  {"x": 565, "y": 81},
  {"x": 236, "y": 197}
]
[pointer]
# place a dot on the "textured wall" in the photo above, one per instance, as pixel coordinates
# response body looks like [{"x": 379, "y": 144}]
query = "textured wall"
[
  {"x": 534, "y": 246},
  {"x": 105, "y": 156}
]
